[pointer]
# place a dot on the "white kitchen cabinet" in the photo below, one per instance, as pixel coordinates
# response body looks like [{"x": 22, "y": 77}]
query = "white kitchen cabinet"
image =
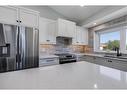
[
  {"x": 28, "y": 17},
  {"x": 84, "y": 38},
  {"x": 66, "y": 28},
  {"x": 19, "y": 15},
  {"x": 81, "y": 36},
  {"x": 48, "y": 61},
  {"x": 71, "y": 28},
  {"x": 8, "y": 15},
  {"x": 52, "y": 32},
  {"x": 47, "y": 28}
]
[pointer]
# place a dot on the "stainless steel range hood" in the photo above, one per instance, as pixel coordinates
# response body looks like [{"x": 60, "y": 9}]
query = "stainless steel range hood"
[{"x": 60, "y": 40}]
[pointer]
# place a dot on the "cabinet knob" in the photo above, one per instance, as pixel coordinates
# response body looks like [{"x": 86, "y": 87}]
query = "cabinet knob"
[
  {"x": 20, "y": 21},
  {"x": 17, "y": 21},
  {"x": 48, "y": 40}
]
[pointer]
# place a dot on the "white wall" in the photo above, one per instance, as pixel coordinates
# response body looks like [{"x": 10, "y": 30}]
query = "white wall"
[{"x": 46, "y": 12}]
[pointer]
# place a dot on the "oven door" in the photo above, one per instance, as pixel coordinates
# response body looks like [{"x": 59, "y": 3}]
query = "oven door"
[{"x": 63, "y": 61}]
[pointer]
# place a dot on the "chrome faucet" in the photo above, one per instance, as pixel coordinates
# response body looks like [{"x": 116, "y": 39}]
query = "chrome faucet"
[{"x": 118, "y": 51}]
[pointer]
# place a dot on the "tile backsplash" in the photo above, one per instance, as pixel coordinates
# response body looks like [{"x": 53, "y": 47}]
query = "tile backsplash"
[{"x": 52, "y": 49}]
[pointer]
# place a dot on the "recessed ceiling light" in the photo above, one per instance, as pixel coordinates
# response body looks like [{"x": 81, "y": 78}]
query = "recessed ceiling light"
[{"x": 94, "y": 23}]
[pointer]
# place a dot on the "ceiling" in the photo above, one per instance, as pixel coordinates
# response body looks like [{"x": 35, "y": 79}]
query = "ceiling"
[{"x": 78, "y": 13}]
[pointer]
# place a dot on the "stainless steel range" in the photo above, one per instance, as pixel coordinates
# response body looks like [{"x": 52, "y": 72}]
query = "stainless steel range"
[{"x": 66, "y": 58}]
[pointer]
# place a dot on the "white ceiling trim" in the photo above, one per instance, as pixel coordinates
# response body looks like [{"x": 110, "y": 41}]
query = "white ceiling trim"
[{"x": 113, "y": 15}]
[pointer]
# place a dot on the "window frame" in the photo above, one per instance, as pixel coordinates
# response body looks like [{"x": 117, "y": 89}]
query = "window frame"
[{"x": 123, "y": 37}]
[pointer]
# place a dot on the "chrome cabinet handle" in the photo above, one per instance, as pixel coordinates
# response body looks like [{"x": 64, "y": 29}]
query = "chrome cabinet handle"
[{"x": 49, "y": 60}]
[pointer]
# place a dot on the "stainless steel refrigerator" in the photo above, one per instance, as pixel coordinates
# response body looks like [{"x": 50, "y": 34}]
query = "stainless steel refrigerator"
[{"x": 18, "y": 47}]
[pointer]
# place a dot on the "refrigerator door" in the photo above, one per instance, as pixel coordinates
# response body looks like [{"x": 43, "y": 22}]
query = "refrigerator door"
[
  {"x": 8, "y": 49},
  {"x": 28, "y": 47}
]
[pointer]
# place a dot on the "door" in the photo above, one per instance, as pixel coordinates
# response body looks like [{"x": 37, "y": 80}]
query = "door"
[
  {"x": 8, "y": 15},
  {"x": 28, "y": 18},
  {"x": 28, "y": 47},
  {"x": 8, "y": 60}
]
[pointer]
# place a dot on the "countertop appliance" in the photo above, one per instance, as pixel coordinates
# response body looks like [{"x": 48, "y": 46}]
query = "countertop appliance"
[
  {"x": 66, "y": 58},
  {"x": 18, "y": 47}
]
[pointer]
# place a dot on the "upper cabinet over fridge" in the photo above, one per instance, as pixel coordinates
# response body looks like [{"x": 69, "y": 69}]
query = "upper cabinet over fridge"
[{"x": 19, "y": 15}]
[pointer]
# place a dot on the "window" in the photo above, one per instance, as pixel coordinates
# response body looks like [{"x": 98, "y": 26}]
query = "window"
[{"x": 109, "y": 40}]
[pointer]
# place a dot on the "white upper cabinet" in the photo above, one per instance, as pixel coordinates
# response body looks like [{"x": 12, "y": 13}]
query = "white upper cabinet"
[
  {"x": 28, "y": 17},
  {"x": 65, "y": 28},
  {"x": 81, "y": 36},
  {"x": 19, "y": 15},
  {"x": 8, "y": 15},
  {"x": 84, "y": 36},
  {"x": 47, "y": 31}
]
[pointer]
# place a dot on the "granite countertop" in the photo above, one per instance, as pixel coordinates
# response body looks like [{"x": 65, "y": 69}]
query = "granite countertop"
[
  {"x": 48, "y": 56},
  {"x": 81, "y": 75}
]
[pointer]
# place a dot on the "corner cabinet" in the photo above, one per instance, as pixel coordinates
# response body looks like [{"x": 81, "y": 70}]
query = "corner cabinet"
[
  {"x": 19, "y": 15},
  {"x": 47, "y": 28},
  {"x": 65, "y": 28},
  {"x": 81, "y": 36}
]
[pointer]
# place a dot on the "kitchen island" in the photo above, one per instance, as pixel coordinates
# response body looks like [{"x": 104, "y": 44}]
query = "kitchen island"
[{"x": 79, "y": 75}]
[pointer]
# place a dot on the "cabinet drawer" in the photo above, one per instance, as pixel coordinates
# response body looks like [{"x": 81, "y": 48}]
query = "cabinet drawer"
[{"x": 48, "y": 61}]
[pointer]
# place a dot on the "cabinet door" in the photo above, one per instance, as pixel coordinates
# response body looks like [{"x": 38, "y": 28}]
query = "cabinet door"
[
  {"x": 84, "y": 36},
  {"x": 121, "y": 65},
  {"x": 70, "y": 29},
  {"x": 52, "y": 32},
  {"x": 43, "y": 37},
  {"x": 79, "y": 36},
  {"x": 62, "y": 29},
  {"x": 8, "y": 15},
  {"x": 47, "y": 31},
  {"x": 28, "y": 18},
  {"x": 89, "y": 58},
  {"x": 74, "y": 39}
]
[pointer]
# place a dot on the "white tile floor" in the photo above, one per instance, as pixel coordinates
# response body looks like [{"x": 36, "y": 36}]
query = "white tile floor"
[{"x": 80, "y": 75}]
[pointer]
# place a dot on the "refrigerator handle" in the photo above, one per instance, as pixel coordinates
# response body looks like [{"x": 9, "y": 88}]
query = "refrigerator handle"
[
  {"x": 17, "y": 35},
  {"x": 20, "y": 48}
]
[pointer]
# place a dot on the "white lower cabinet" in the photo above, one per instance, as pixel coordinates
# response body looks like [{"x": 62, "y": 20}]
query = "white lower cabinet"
[
  {"x": 48, "y": 61},
  {"x": 108, "y": 62}
]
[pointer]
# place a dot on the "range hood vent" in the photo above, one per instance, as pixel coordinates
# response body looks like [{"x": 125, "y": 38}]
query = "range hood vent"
[{"x": 63, "y": 40}]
